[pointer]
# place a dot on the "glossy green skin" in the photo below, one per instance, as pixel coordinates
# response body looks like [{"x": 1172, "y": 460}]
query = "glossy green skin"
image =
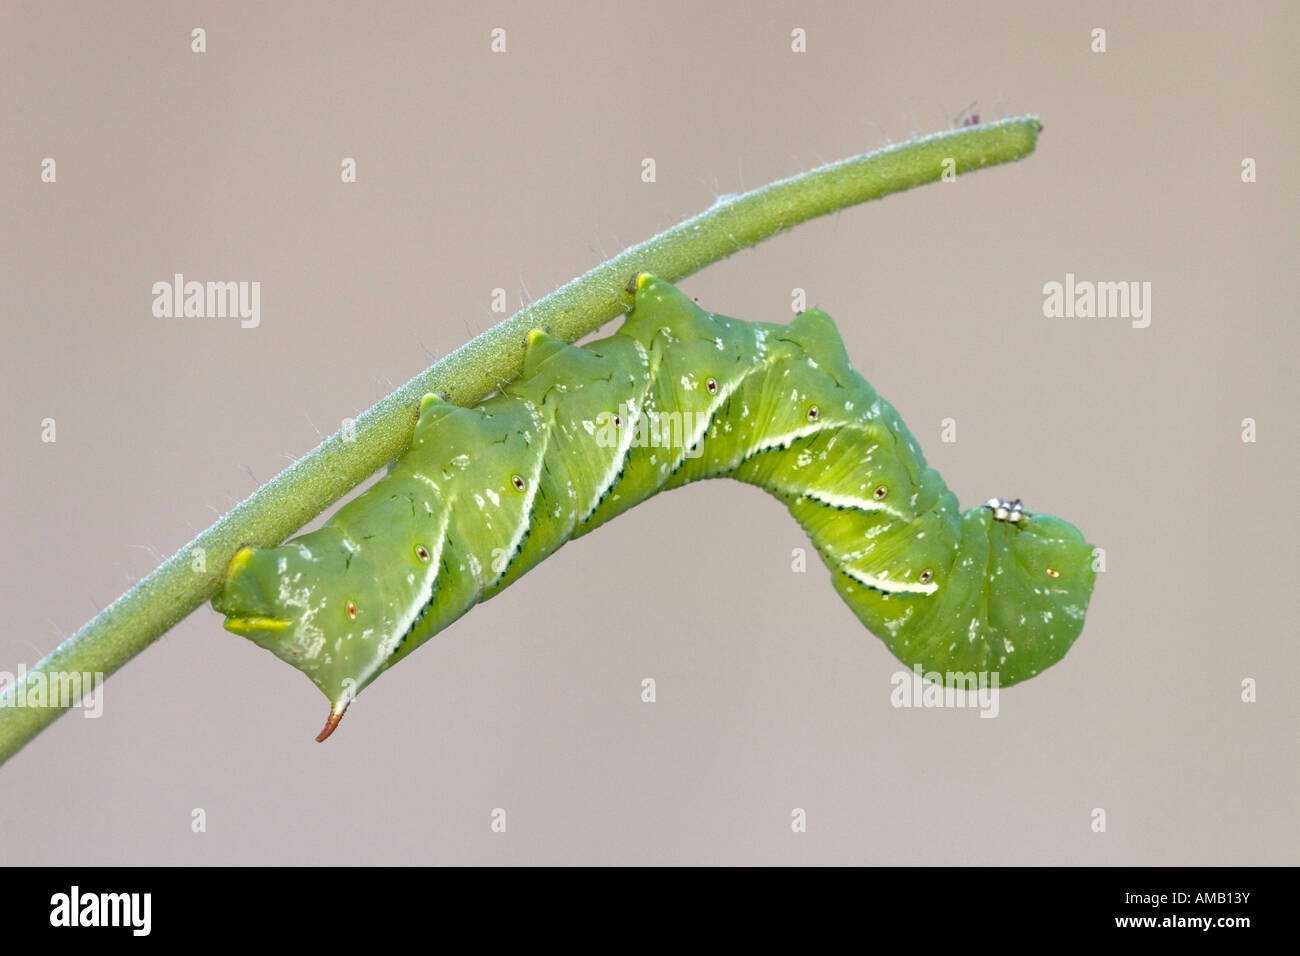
[{"x": 485, "y": 493}]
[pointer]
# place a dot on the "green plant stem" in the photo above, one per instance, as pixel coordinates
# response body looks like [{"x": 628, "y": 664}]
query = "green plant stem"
[{"x": 194, "y": 574}]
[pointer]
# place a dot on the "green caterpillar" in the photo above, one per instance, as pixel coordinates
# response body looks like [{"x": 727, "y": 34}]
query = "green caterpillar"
[{"x": 485, "y": 493}]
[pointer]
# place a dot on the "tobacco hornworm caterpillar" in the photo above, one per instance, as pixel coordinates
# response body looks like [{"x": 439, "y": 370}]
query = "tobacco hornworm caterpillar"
[{"x": 485, "y": 493}]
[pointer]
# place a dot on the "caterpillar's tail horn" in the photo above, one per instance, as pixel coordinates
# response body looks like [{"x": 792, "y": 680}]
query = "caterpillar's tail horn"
[{"x": 336, "y": 714}]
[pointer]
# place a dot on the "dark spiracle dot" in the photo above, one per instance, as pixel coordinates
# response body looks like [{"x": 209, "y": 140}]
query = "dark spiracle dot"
[
  {"x": 814, "y": 413},
  {"x": 518, "y": 482},
  {"x": 880, "y": 492},
  {"x": 712, "y": 386},
  {"x": 927, "y": 576},
  {"x": 352, "y": 610},
  {"x": 422, "y": 553},
  {"x": 617, "y": 421},
  {"x": 1053, "y": 573}
]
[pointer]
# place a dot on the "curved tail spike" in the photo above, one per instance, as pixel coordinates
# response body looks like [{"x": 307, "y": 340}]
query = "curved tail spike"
[{"x": 336, "y": 714}]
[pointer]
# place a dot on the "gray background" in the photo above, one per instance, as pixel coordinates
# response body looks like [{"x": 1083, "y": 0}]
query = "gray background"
[{"x": 522, "y": 170}]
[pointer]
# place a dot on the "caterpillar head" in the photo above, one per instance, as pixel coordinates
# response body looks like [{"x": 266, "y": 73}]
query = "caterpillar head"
[
  {"x": 1009, "y": 599},
  {"x": 1037, "y": 575}
]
